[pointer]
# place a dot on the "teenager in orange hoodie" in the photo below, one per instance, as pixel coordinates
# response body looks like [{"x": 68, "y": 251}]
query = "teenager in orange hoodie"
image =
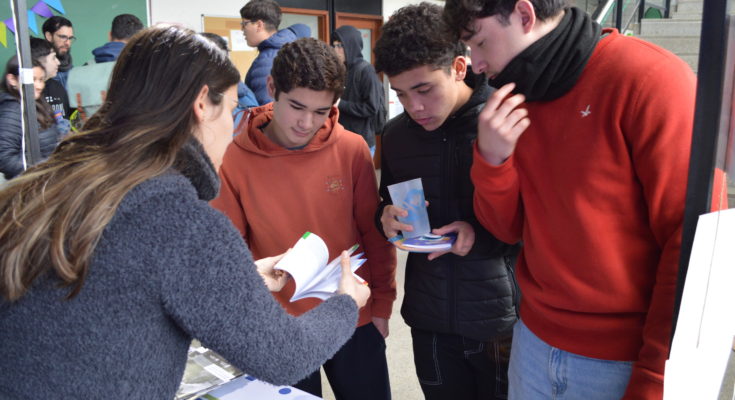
[{"x": 293, "y": 168}]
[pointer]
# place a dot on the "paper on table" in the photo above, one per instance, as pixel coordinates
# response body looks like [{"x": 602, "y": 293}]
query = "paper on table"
[{"x": 247, "y": 387}]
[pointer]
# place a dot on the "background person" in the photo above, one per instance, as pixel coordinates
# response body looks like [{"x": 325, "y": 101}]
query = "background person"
[
  {"x": 361, "y": 107},
  {"x": 11, "y": 132},
  {"x": 260, "y": 21},
  {"x": 60, "y": 33},
  {"x": 54, "y": 92},
  {"x": 124, "y": 26},
  {"x": 112, "y": 261},
  {"x": 87, "y": 85},
  {"x": 245, "y": 97}
]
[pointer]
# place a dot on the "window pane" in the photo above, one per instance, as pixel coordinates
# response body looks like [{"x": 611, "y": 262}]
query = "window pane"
[{"x": 312, "y": 21}]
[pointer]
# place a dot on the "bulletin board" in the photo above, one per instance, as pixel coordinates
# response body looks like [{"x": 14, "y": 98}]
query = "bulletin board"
[{"x": 241, "y": 54}]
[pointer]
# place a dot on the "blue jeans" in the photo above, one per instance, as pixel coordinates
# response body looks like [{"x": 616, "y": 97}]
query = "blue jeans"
[{"x": 540, "y": 371}]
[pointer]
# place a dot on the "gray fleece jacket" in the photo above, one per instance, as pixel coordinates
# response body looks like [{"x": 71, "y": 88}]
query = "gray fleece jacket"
[{"x": 168, "y": 268}]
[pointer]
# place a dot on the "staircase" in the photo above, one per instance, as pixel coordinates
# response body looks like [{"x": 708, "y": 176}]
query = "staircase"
[{"x": 678, "y": 34}]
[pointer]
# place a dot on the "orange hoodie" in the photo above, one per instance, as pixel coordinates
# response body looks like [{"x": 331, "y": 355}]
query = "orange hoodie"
[{"x": 273, "y": 195}]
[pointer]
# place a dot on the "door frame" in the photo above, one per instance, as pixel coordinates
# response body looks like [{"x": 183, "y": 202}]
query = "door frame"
[
  {"x": 361, "y": 21},
  {"x": 322, "y": 17}
]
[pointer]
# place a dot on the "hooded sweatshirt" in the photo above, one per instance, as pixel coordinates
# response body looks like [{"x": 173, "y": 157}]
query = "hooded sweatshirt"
[
  {"x": 267, "y": 50},
  {"x": 110, "y": 51},
  {"x": 273, "y": 195},
  {"x": 363, "y": 95},
  {"x": 300, "y": 30}
]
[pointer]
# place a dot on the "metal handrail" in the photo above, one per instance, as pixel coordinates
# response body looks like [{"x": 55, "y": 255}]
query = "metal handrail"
[{"x": 602, "y": 12}]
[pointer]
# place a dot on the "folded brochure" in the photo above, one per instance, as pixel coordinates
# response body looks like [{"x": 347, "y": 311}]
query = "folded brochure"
[
  {"x": 313, "y": 276},
  {"x": 428, "y": 243}
]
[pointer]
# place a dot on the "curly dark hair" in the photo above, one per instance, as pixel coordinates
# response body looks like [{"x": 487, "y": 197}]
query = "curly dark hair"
[
  {"x": 415, "y": 36},
  {"x": 310, "y": 64},
  {"x": 459, "y": 14}
]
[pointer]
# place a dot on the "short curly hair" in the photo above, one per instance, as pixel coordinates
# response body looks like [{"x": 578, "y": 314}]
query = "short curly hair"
[
  {"x": 415, "y": 36},
  {"x": 310, "y": 64}
]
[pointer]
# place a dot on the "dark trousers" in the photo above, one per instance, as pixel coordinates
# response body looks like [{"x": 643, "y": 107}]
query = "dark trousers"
[
  {"x": 358, "y": 370},
  {"x": 458, "y": 368}
]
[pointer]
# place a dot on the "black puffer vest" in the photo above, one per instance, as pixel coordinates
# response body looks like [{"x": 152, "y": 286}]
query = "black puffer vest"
[{"x": 472, "y": 296}]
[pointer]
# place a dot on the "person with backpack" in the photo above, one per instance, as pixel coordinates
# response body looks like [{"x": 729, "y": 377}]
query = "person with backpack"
[
  {"x": 87, "y": 85},
  {"x": 362, "y": 106}
]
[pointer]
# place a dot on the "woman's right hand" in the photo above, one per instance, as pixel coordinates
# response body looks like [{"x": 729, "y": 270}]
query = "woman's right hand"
[{"x": 359, "y": 291}]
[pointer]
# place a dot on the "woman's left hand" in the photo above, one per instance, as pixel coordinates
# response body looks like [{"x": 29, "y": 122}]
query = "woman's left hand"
[{"x": 275, "y": 279}]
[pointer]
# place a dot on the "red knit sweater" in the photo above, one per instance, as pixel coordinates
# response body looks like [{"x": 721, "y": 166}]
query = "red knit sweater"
[{"x": 595, "y": 189}]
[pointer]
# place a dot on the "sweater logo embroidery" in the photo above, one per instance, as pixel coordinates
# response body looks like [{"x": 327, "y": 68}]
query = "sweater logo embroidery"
[
  {"x": 334, "y": 184},
  {"x": 586, "y": 111}
]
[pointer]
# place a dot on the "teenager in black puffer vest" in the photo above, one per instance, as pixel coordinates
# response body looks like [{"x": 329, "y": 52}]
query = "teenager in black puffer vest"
[{"x": 460, "y": 305}]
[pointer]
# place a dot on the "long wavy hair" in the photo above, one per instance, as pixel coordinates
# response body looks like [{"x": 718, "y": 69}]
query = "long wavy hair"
[{"x": 53, "y": 215}]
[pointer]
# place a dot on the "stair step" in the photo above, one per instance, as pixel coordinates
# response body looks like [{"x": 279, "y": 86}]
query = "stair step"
[
  {"x": 689, "y": 7},
  {"x": 692, "y": 60},
  {"x": 675, "y": 44},
  {"x": 670, "y": 27},
  {"x": 693, "y": 16}
]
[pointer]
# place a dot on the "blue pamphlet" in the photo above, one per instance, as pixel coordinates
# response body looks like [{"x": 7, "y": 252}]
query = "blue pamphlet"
[{"x": 428, "y": 243}]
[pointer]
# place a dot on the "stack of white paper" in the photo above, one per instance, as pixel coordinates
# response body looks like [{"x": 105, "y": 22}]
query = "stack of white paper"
[{"x": 313, "y": 276}]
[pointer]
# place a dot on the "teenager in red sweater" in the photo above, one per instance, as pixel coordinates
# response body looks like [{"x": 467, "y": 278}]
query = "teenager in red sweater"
[
  {"x": 293, "y": 168},
  {"x": 583, "y": 154}
]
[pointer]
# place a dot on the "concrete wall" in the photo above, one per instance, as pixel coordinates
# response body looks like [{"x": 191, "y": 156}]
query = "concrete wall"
[{"x": 189, "y": 13}]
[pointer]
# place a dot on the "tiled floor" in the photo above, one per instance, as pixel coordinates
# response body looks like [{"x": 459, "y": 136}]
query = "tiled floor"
[{"x": 404, "y": 385}]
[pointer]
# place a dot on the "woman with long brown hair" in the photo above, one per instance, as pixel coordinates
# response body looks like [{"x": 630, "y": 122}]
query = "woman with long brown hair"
[{"x": 111, "y": 260}]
